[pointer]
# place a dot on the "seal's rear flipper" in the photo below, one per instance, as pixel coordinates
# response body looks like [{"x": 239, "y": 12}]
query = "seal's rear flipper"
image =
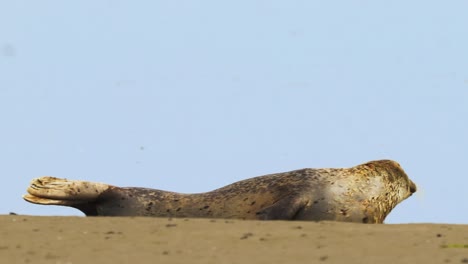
[
  {"x": 62, "y": 189},
  {"x": 56, "y": 191}
]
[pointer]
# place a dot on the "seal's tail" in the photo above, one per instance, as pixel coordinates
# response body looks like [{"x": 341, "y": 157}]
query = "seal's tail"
[{"x": 55, "y": 191}]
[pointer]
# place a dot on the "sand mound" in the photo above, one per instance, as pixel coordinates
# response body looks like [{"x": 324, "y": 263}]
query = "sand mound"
[{"x": 29, "y": 239}]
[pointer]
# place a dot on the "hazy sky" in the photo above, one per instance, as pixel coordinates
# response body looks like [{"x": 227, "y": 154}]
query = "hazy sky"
[{"x": 189, "y": 96}]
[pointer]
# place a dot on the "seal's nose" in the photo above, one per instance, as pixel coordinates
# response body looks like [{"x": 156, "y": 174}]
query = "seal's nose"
[{"x": 412, "y": 187}]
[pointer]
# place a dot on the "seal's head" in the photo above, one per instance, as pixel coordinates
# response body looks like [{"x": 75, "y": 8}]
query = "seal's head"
[
  {"x": 394, "y": 176},
  {"x": 389, "y": 185}
]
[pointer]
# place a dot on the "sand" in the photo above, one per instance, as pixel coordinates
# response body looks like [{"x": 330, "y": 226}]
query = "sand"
[{"x": 36, "y": 239}]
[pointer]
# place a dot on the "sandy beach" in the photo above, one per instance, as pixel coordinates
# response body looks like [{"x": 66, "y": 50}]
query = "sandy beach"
[{"x": 39, "y": 239}]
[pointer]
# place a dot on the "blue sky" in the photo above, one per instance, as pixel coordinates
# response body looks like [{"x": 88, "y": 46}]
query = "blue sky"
[{"x": 189, "y": 96}]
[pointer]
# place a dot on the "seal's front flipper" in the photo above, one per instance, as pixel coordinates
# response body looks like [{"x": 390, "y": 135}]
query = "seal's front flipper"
[{"x": 284, "y": 209}]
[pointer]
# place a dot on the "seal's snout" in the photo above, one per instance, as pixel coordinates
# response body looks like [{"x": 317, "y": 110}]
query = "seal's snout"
[{"x": 412, "y": 187}]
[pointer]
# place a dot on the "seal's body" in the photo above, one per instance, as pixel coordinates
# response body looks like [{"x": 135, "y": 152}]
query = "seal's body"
[{"x": 365, "y": 193}]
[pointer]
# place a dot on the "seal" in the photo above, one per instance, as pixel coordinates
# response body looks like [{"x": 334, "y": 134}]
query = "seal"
[{"x": 365, "y": 193}]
